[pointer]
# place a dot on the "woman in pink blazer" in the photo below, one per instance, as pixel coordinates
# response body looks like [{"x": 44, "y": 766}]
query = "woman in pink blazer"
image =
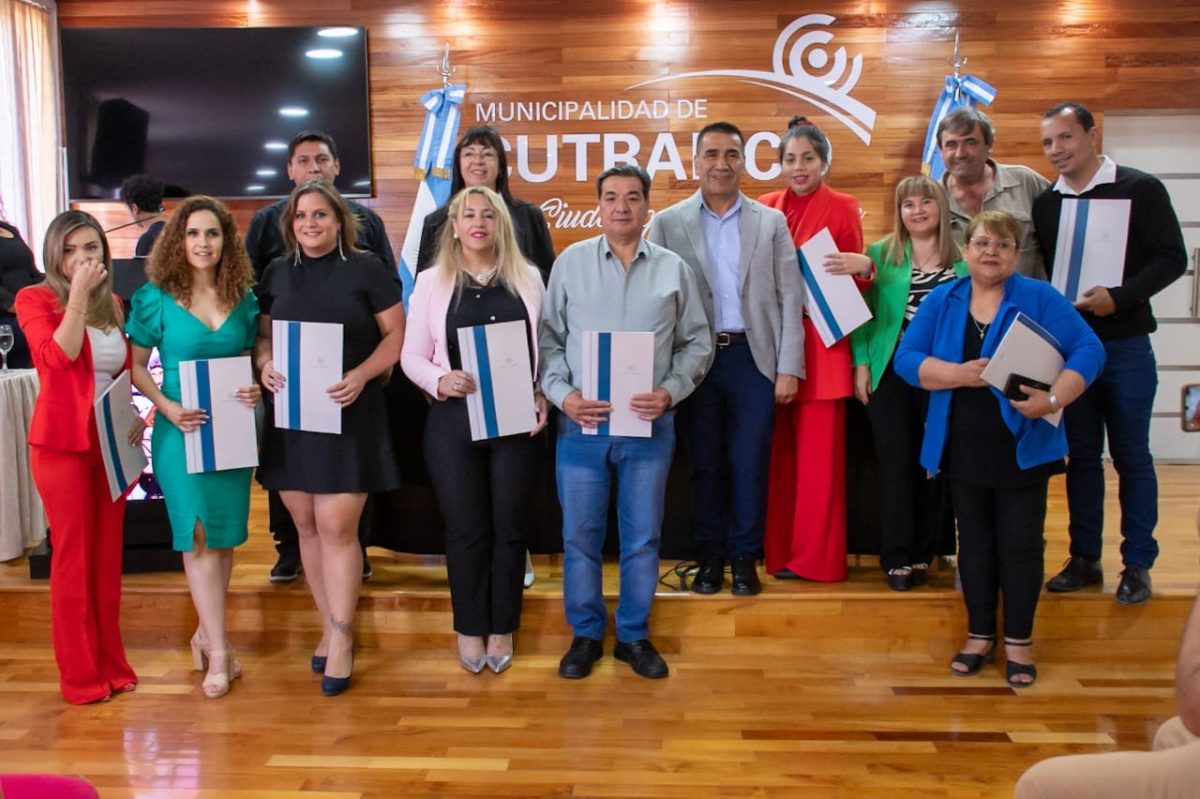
[{"x": 483, "y": 487}]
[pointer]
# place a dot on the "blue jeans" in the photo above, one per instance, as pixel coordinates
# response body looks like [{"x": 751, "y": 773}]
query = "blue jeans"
[
  {"x": 1120, "y": 402},
  {"x": 726, "y": 424},
  {"x": 585, "y": 468}
]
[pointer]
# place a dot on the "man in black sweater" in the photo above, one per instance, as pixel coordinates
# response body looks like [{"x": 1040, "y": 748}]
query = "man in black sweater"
[
  {"x": 312, "y": 155},
  {"x": 1121, "y": 399}
]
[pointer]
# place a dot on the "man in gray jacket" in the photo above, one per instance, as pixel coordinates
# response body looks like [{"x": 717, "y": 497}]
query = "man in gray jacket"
[{"x": 745, "y": 263}]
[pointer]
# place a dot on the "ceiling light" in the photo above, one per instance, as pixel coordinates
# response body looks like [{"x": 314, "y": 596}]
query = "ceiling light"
[
  {"x": 256, "y": 187},
  {"x": 337, "y": 33},
  {"x": 275, "y": 146},
  {"x": 324, "y": 53},
  {"x": 266, "y": 173},
  {"x": 293, "y": 111}
]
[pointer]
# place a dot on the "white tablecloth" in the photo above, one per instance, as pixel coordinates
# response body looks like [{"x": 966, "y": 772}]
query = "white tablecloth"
[{"x": 22, "y": 520}]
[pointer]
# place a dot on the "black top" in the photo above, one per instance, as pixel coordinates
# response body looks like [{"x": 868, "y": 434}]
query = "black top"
[
  {"x": 17, "y": 268},
  {"x": 350, "y": 293},
  {"x": 982, "y": 450},
  {"x": 484, "y": 305},
  {"x": 529, "y": 225},
  {"x": 145, "y": 242},
  {"x": 264, "y": 242},
  {"x": 1154, "y": 255}
]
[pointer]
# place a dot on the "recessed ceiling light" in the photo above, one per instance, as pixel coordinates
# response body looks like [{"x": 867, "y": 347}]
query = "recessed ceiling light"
[
  {"x": 337, "y": 33},
  {"x": 266, "y": 173},
  {"x": 275, "y": 146},
  {"x": 324, "y": 53},
  {"x": 293, "y": 111},
  {"x": 362, "y": 183},
  {"x": 256, "y": 187}
]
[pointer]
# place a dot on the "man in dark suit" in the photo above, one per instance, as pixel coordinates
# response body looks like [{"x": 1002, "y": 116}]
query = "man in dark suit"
[{"x": 745, "y": 263}]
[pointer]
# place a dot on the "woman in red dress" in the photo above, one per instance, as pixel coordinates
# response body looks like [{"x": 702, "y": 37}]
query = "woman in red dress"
[{"x": 806, "y": 498}]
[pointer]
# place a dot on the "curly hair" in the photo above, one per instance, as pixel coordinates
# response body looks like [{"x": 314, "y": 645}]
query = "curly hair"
[
  {"x": 143, "y": 191},
  {"x": 168, "y": 266}
]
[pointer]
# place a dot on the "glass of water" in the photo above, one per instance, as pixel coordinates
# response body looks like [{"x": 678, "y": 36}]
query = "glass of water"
[{"x": 6, "y": 343}]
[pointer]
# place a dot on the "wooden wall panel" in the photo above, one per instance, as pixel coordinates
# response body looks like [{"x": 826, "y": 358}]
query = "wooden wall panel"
[{"x": 1115, "y": 56}]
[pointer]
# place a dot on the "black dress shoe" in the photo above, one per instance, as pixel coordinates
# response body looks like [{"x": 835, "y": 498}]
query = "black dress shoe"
[
  {"x": 643, "y": 657},
  {"x": 288, "y": 567},
  {"x": 900, "y": 579},
  {"x": 745, "y": 580},
  {"x": 577, "y": 663},
  {"x": 711, "y": 577},
  {"x": 1134, "y": 588},
  {"x": 786, "y": 574},
  {"x": 1076, "y": 573}
]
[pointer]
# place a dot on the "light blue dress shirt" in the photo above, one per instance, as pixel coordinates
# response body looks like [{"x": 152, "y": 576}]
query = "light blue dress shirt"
[
  {"x": 591, "y": 290},
  {"x": 723, "y": 241}
]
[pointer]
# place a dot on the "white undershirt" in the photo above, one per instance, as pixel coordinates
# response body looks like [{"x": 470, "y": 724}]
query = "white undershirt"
[{"x": 108, "y": 356}]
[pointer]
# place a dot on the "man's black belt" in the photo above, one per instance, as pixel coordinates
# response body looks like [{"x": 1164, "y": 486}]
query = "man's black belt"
[{"x": 725, "y": 339}]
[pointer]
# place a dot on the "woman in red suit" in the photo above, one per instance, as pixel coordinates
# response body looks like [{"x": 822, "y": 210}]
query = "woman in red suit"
[
  {"x": 73, "y": 324},
  {"x": 806, "y": 498}
]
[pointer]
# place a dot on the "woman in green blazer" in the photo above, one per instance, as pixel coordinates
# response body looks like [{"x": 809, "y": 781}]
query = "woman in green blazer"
[{"x": 915, "y": 258}]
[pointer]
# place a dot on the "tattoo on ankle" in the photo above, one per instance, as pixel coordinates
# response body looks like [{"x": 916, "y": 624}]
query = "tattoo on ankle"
[{"x": 342, "y": 627}]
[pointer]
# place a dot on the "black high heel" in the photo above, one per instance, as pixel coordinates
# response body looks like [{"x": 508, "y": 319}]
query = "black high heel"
[
  {"x": 318, "y": 663},
  {"x": 973, "y": 661},
  {"x": 332, "y": 686}
]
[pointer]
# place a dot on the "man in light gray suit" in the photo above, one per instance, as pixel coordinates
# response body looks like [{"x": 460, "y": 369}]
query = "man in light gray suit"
[{"x": 745, "y": 264}]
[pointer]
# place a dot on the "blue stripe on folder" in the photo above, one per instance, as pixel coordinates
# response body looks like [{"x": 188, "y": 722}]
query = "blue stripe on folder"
[
  {"x": 1045, "y": 334},
  {"x": 110, "y": 437},
  {"x": 604, "y": 374},
  {"x": 815, "y": 290},
  {"x": 208, "y": 454},
  {"x": 488, "y": 396},
  {"x": 1077, "y": 241},
  {"x": 293, "y": 375}
]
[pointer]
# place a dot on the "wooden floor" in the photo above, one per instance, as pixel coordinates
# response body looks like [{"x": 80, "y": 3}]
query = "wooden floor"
[{"x": 805, "y": 691}]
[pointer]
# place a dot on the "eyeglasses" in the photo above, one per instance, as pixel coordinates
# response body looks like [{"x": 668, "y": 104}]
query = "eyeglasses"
[
  {"x": 479, "y": 155},
  {"x": 1003, "y": 245}
]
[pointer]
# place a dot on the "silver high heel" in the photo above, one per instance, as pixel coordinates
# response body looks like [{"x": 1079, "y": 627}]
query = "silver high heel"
[
  {"x": 498, "y": 663},
  {"x": 471, "y": 664}
]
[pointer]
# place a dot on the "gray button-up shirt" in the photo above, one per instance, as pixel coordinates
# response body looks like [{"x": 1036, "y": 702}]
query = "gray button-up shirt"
[
  {"x": 590, "y": 290},
  {"x": 1013, "y": 190}
]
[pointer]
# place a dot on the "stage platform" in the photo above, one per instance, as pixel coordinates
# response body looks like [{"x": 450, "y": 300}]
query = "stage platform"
[{"x": 808, "y": 690}]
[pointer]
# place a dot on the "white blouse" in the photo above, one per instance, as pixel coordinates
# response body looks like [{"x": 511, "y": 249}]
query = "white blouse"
[{"x": 108, "y": 356}]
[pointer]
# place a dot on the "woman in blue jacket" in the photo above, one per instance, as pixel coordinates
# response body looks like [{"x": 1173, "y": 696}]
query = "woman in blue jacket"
[{"x": 998, "y": 454}]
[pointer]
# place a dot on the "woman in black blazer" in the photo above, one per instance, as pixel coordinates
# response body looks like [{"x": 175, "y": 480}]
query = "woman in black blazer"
[{"x": 479, "y": 160}]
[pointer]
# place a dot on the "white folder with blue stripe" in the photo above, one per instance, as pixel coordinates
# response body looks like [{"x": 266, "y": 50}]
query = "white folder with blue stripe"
[
  {"x": 833, "y": 302},
  {"x": 615, "y": 367},
  {"x": 309, "y": 356},
  {"x": 1026, "y": 350},
  {"x": 1090, "y": 250},
  {"x": 497, "y": 356},
  {"x": 228, "y": 439},
  {"x": 115, "y": 416}
]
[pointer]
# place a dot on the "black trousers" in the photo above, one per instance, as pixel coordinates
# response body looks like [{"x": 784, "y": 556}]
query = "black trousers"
[
  {"x": 914, "y": 509},
  {"x": 484, "y": 489},
  {"x": 1000, "y": 550}
]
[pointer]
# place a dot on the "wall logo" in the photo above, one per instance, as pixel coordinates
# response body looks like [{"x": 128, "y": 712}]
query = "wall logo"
[{"x": 826, "y": 86}]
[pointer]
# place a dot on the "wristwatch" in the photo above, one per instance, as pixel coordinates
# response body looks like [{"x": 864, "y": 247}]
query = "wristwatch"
[{"x": 1053, "y": 401}]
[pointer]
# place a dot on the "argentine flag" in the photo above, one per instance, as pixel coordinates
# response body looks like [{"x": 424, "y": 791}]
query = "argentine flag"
[
  {"x": 959, "y": 92},
  {"x": 435, "y": 154}
]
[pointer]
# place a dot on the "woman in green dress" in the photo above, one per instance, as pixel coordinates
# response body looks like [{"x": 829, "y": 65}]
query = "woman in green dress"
[{"x": 197, "y": 305}]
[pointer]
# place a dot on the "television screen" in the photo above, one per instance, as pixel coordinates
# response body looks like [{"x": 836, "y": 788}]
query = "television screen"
[{"x": 210, "y": 110}]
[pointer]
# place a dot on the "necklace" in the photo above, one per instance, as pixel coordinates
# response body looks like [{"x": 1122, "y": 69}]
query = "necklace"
[
  {"x": 484, "y": 277},
  {"x": 981, "y": 329},
  {"x": 923, "y": 266}
]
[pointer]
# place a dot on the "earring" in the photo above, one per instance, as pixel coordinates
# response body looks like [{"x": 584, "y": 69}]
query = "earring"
[{"x": 340, "y": 251}]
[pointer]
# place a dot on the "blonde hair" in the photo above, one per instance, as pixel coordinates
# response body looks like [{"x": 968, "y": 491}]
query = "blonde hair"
[
  {"x": 899, "y": 239},
  {"x": 511, "y": 267},
  {"x": 103, "y": 309},
  {"x": 169, "y": 269},
  {"x": 1000, "y": 222},
  {"x": 346, "y": 218}
]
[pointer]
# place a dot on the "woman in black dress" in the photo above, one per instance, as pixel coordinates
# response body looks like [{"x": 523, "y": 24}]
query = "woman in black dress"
[
  {"x": 17, "y": 270},
  {"x": 324, "y": 479}
]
